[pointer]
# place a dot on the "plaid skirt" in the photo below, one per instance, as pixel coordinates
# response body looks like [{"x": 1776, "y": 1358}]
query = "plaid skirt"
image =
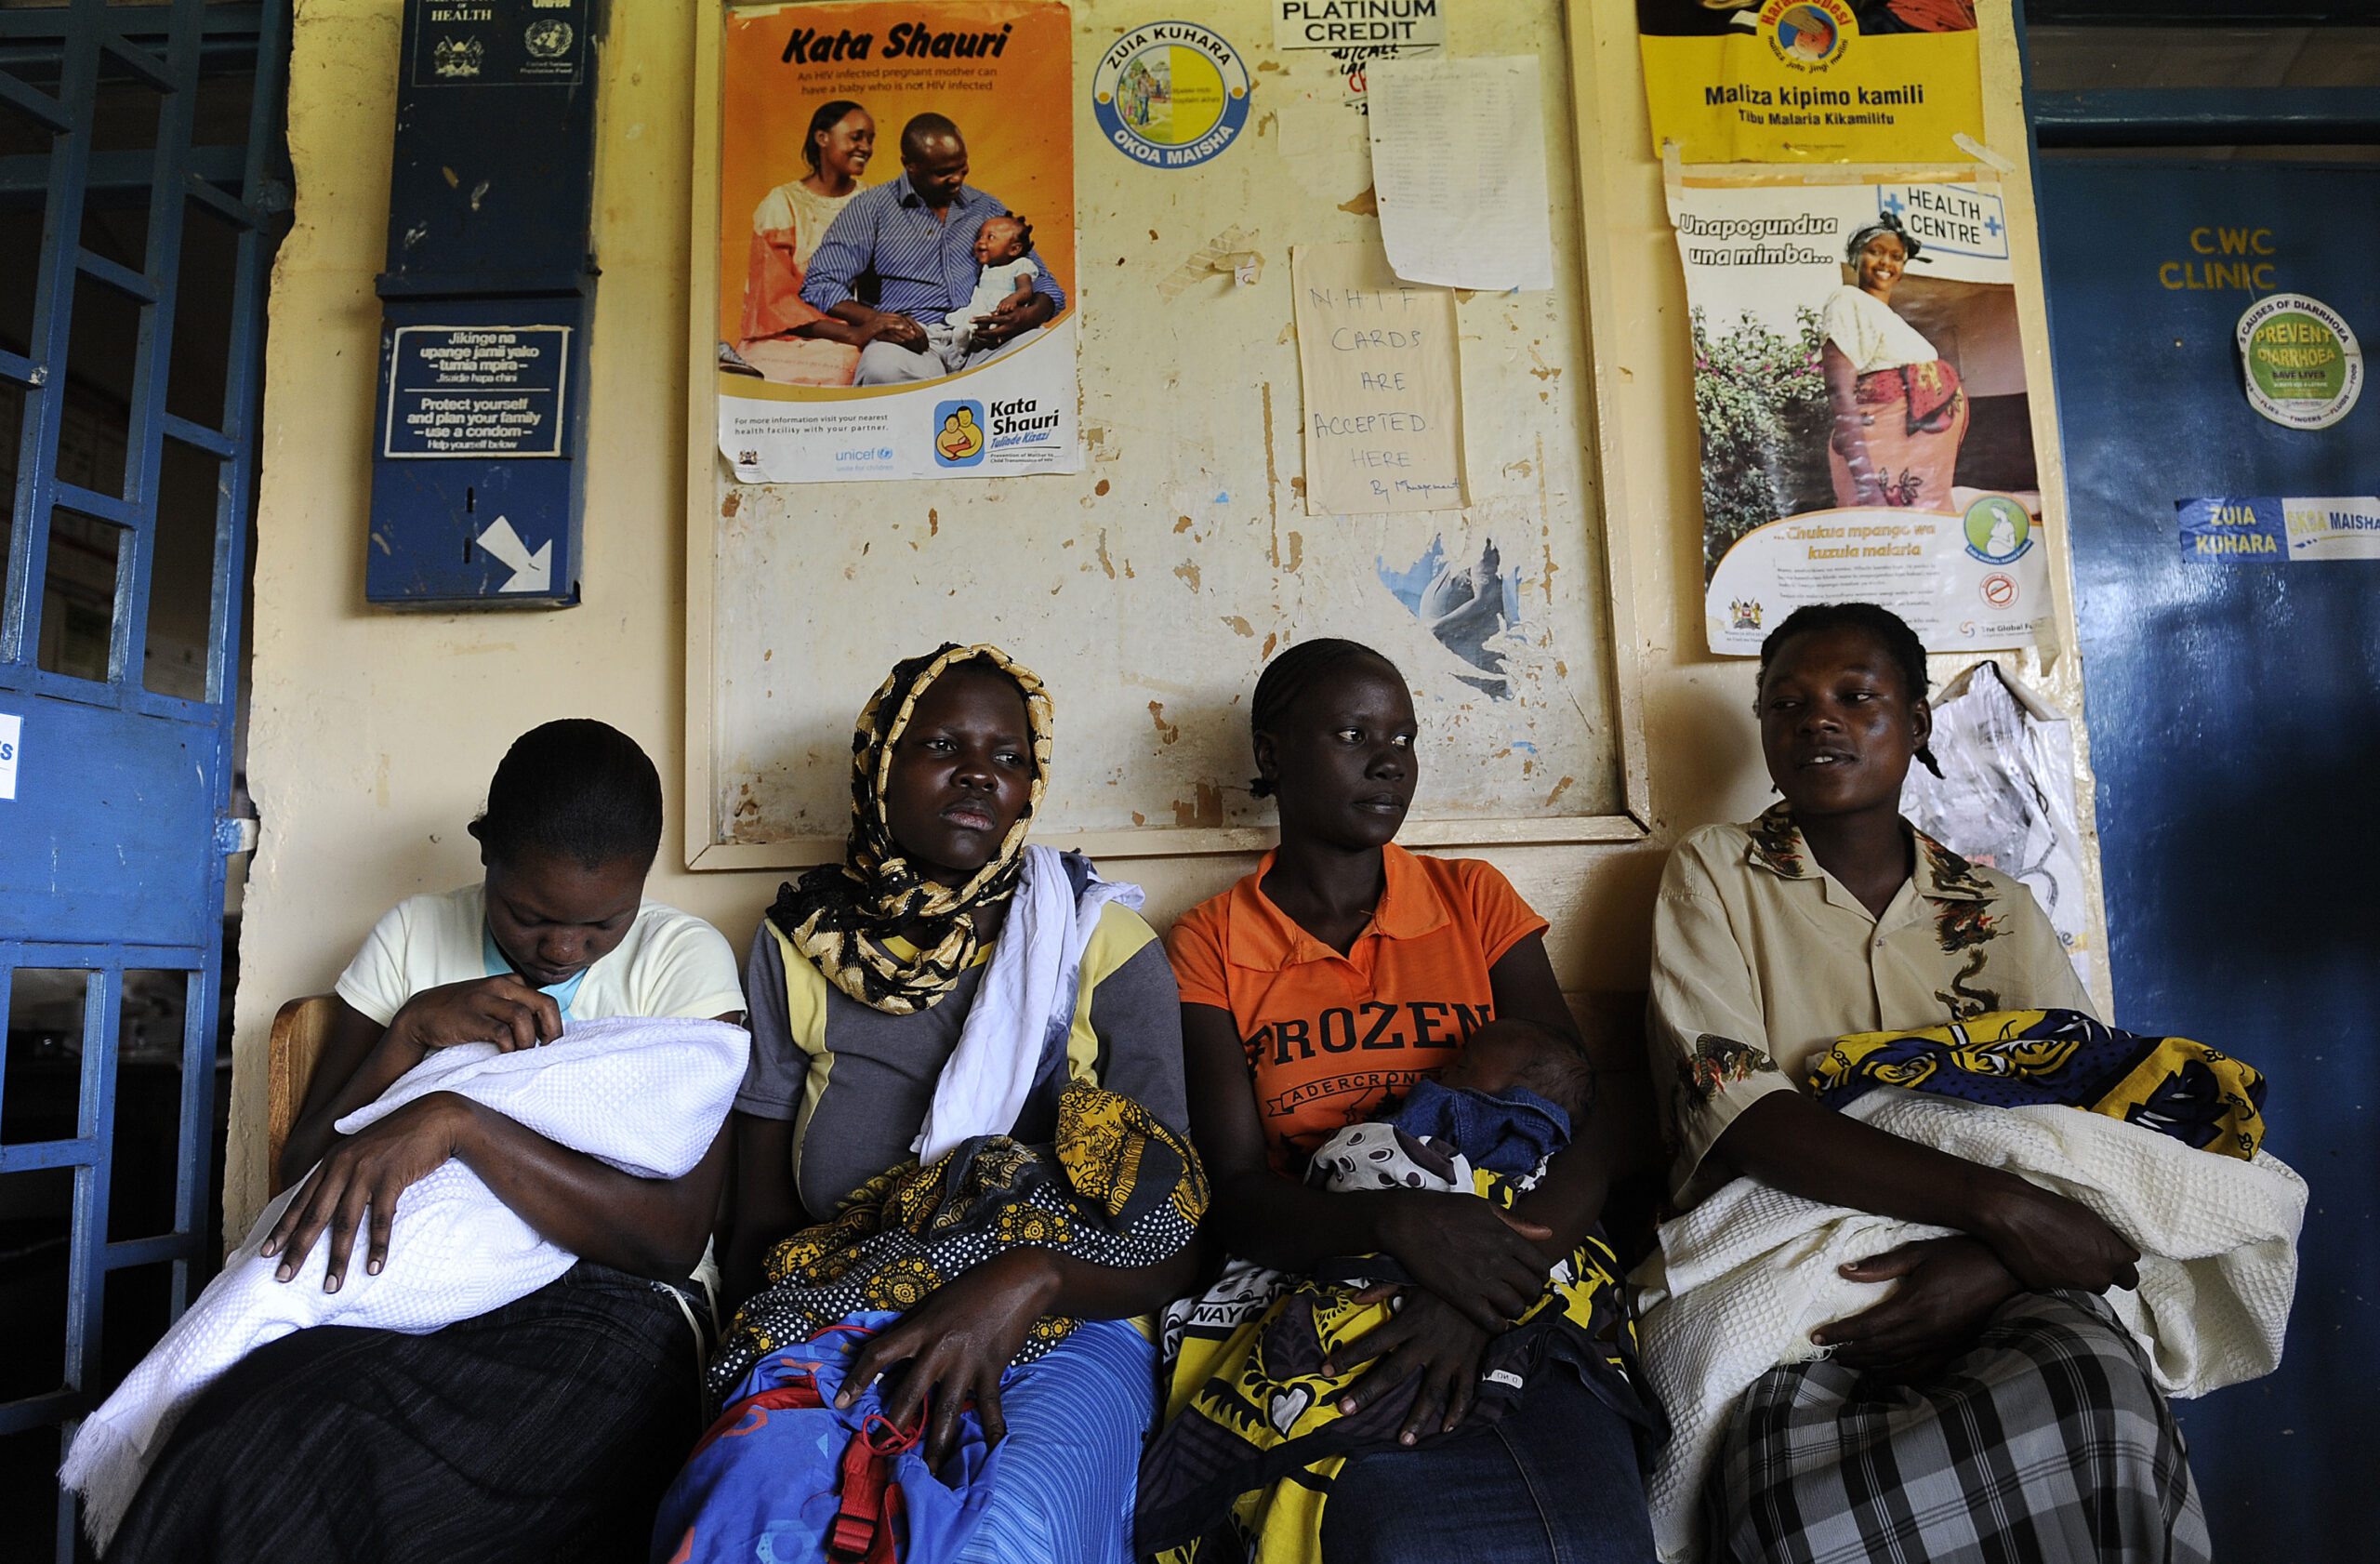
[
  {"x": 2046, "y": 1442},
  {"x": 545, "y": 1429}
]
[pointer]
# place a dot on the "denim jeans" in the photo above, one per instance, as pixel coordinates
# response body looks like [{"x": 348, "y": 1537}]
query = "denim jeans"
[{"x": 1556, "y": 1480}]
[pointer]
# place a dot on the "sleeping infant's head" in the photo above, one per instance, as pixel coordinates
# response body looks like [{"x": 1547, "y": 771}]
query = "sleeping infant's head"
[{"x": 1503, "y": 1054}]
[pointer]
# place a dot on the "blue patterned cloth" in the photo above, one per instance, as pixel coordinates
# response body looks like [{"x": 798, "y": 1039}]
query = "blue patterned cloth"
[
  {"x": 1063, "y": 1483},
  {"x": 2018, "y": 1058},
  {"x": 924, "y": 268},
  {"x": 761, "y": 1487},
  {"x": 1509, "y": 1132}
]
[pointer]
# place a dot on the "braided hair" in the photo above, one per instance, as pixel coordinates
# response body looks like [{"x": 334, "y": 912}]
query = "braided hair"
[
  {"x": 1286, "y": 679},
  {"x": 578, "y": 790},
  {"x": 1889, "y": 631}
]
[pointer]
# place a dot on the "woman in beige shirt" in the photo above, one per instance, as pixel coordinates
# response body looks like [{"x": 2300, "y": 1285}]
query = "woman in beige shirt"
[{"x": 1989, "y": 1407}]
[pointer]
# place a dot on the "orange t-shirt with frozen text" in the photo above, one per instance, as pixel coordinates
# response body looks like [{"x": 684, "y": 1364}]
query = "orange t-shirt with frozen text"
[{"x": 1328, "y": 1036}]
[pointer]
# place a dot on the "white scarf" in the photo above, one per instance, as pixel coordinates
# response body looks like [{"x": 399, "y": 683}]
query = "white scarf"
[
  {"x": 646, "y": 1096},
  {"x": 1026, "y": 1005}
]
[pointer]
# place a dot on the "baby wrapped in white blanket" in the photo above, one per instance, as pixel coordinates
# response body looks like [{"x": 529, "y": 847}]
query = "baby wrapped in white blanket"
[
  {"x": 1740, "y": 1282},
  {"x": 646, "y": 1096}
]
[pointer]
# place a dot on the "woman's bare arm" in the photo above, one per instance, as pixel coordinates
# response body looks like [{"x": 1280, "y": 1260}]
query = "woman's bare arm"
[
  {"x": 363, "y": 1059},
  {"x": 1849, "y": 438},
  {"x": 768, "y": 1209},
  {"x": 1808, "y": 1149},
  {"x": 1570, "y": 1200},
  {"x": 837, "y": 329}
]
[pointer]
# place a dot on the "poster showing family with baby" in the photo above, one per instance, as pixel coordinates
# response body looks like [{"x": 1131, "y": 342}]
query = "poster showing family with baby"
[{"x": 896, "y": 243}]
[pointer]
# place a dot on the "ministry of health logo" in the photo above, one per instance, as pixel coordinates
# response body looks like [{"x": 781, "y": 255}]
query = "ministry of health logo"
[{"x": 461, "y": 58}]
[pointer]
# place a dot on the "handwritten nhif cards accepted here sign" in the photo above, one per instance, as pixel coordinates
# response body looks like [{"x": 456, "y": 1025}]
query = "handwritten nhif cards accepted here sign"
[{"x": 1383, "y": 420}]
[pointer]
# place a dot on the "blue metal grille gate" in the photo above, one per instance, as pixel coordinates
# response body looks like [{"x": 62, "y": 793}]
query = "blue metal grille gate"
[{"x": 111, "y": 852}]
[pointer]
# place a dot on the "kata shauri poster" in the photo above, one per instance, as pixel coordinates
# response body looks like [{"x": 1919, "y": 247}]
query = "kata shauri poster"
[
  {"x": 896, "y": 249},
  {"x": 1860, "y": 381},
  {"x": 1812, "y": 81}
]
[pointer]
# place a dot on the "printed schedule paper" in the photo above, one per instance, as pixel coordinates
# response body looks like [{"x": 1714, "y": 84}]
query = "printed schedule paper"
[{"x": 1459, "y": 170}]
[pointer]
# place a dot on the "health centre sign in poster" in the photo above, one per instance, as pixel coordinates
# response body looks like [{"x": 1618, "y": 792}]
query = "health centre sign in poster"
[
  {"x": 1812, "y": 81},
  {"x": 1867, "y": 433},
  {"x": 896, "y": 254}
]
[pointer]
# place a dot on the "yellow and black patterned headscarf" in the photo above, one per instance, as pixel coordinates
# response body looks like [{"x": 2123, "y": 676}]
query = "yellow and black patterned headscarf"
[{"x": 842, "y": 916}]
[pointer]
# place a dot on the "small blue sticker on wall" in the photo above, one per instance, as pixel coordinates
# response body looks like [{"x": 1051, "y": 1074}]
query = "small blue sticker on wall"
[
  {"x": 2233, "y": 529},
  {"x": 1170, "y": 94},
  {"x": 958, "y": 434}
]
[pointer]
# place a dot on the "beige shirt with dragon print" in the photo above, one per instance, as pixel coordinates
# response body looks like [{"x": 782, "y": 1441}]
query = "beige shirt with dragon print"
[{"x": 1761, "y": 959}]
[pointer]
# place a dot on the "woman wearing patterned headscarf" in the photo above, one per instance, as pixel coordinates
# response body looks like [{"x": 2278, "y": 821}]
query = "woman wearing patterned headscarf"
[
  {"x": 947, "y": 996},
  {"x": 1899, "y": 411}
]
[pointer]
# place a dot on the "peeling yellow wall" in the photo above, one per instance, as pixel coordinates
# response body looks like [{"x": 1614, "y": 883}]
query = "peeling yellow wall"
[{"x": 373, "y": 734}]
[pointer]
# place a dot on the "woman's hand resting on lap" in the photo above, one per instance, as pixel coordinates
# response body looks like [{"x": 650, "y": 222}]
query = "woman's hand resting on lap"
[
  {"x": 2048, "y": 1241},
  {"x": 1948, "y": 1288},
  {"x": 957, "y": 1343},
  {"x": 1484, "y": 1262},
  {"x": 1426, "y": 1341},
  {"x": 367, "y": 1171},
  {"x": 1479, "y": 1269}
]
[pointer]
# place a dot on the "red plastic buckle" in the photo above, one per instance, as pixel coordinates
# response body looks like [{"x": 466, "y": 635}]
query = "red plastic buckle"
[{"x": 870, "y": 1500}]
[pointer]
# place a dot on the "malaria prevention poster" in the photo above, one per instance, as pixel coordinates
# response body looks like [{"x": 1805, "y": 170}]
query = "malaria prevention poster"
[
  {"x": 1812, "y": 81},
  {"x": 896, "y": 249},
  {"x": 1867, "y": 433}
]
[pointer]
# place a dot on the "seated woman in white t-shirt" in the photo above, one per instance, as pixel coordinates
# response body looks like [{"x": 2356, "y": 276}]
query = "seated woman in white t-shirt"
[{"x": 547, "y": 1427}]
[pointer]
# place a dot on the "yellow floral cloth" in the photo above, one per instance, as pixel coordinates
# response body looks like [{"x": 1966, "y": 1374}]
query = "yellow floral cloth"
[
  {"x": 1117, "y": 1188},
  {"x": 1254, "y": 1440}
]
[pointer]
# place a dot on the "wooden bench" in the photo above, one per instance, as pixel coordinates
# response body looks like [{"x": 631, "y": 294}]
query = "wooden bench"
[
  {"x": 1613, "y": 1022},
  {"x": 299, "y": 1032}
]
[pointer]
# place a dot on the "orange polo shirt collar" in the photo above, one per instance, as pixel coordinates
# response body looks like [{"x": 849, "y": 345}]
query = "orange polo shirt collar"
[{"x": 1262, "y": 936}]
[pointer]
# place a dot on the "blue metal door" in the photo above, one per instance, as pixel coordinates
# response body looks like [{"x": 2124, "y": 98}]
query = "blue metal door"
[
  {"x": 2234, "y": 710},
  {"x": 138, "y": 146}
]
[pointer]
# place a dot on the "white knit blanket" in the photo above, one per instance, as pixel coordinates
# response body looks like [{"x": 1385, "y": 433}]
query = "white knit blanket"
[
  {"x": 1740, "y": 1282},
  {"x": 646, "y": 1096}
]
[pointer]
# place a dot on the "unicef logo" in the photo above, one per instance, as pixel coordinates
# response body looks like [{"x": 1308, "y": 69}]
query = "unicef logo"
[
  {"x": 958, "y": 434},
  {"x": 1812, "y": 32},
  {"x": 1998, "y": 529},
  {"x": 1169, "y": 95}
]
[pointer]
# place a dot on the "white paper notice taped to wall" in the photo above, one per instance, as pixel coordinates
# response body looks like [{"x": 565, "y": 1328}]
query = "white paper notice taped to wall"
[
  {"x": 1459, "y": 165},
  {"x": 1383, "y": 387},
  {"x": 11, "y": 732}
]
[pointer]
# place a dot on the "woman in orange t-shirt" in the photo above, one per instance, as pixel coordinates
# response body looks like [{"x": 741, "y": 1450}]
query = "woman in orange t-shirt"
[{"x": 1340, "y": 972}]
